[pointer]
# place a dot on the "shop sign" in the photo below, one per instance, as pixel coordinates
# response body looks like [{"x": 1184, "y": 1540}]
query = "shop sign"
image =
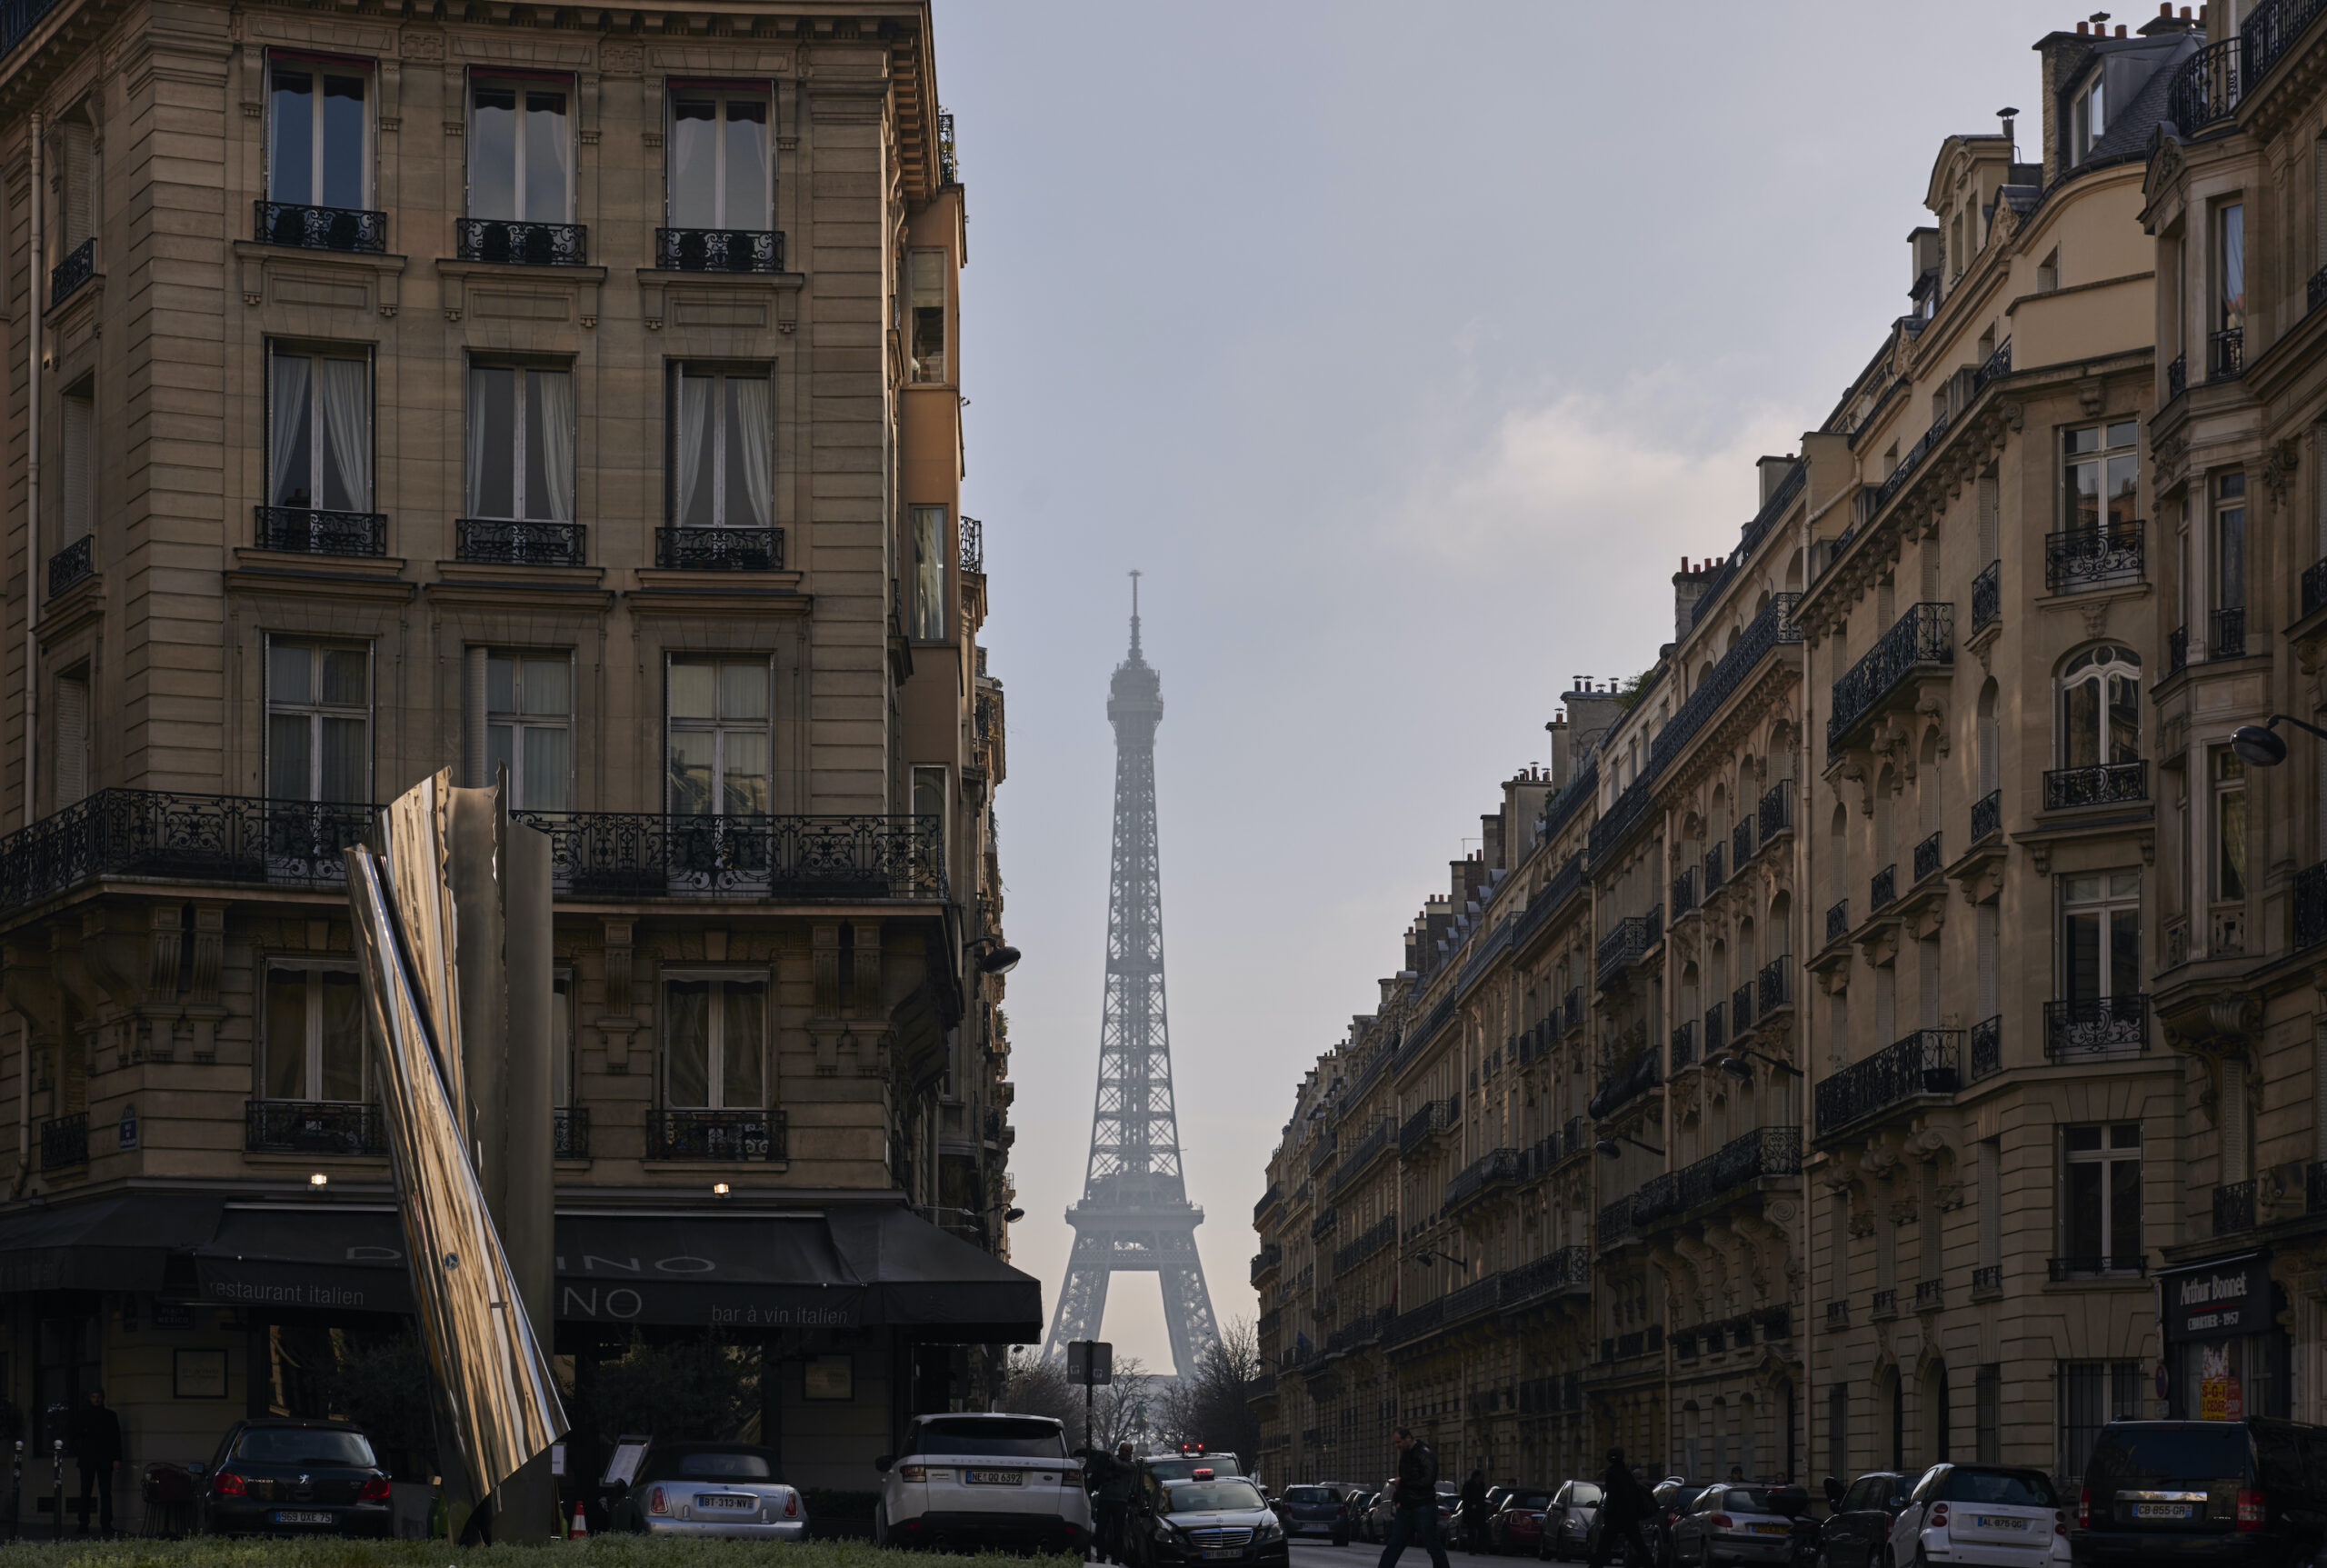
[{"x": 2218, "y": 1301}]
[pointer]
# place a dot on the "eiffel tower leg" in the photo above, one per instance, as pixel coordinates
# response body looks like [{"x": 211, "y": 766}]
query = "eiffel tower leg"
[
  {"x": 1082, "y": 1301},
  {"x": 1187, "y": 1311}
]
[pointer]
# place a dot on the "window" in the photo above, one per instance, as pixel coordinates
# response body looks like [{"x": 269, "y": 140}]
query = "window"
[
  {"x": 2088, "y": 120},
  {"x": 2100, "y": 476},
  {"x": 2101, "y": 934},
  {"x": 314, "y": 1034},
  {"x": 2101, "y": 1196},
  {"x": 315, "y": 152},
  {"x": 521, "y": 164},
  {"x": 721, "y": 173},
  {"x": 529, "y": 727},
  {"x": 2101, "y": 708},
  {"x": 561, "y": 1039},
  {"x": 319, "y": 435},
  {"x": 78, "y": 499},
  {"x": 71, "y": 763},
  {"x": 1838, "y": 1425},
  {"x": 717, "y": 1030},
  {"x": 2230, "y": 229},
  {"x": 2230, "y": 541},
  {"x": 926, "y": 283},
  {"x": 2047, "y": 272},
  {"x": 1987, "y": 1414},
  {"x": 2093, "y": 1393},
  {"x": 929, "y": 617},
  {"x": 1991, "y": 1199},
  {"x": 318, "y": 722},
  {"x": 2229, "y": 782},
  {"x": 521, "y": 442},
  {"x": 719, "y": 736},
  {"x": 723, "y": 442}
]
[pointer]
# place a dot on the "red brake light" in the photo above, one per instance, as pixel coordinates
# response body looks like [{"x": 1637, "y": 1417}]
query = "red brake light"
[
  {"x": 1722, "y": 1521},
  {"x": 2084, "y": 1508},
  {"x": 655, "y": 1504},
  {"x": 2060, "y": 1522},
  {"x": 1202, "y": 1474},
  {"x": 227, "y": 1484},
  {"x": 373, "y": 1491},
  {"x": 1939, "y": 1515},
  {"x": 791, "y": 1505},
  {"x": 2251, "y": 1511}
]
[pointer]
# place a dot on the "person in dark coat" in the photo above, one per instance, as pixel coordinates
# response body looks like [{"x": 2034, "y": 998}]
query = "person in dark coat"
[
  {"x": 1113, "y": 1478},
  {"x": 1623, "y": 1503},
  {"x": 94, "y": 1435},
  {"x": 1416, "y": 1500},
  {"x": 1474, "y": 1510}
]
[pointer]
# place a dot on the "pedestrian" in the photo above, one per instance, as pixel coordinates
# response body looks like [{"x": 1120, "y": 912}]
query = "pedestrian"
[
  {"x": 1737, "y": 1475},
  {"x": 1415, "y": 1499},
  {"x": 1623, "y": 1503},
  {"x": 94, "y": 1435},
  {"x": 1474, "y": 1510},
  {"x": 1116, "y": 1477}
]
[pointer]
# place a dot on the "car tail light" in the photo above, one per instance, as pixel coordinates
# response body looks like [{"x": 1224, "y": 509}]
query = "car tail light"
[
  {"x": 2249, "y": 1510},
  {"x": 373, "y": 1491},
  {"x": 2084, "y": 1508},
  {"x": 791, "y": 1505},
  {"x": 1723, "y": 1521},
  {"x": 1939, "y": 1515},
  {"x": 656, "y": 1502},
  {"x": 2060, "y": 1522},
  {"x": 227, "y": 1484},
  {"x": 913, "y": 1473},
  {"x": 1202, "y": 1475}
]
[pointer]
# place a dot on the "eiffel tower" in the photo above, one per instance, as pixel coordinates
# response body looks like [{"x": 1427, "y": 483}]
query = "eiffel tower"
[{"x": 1134, "y": 1216}]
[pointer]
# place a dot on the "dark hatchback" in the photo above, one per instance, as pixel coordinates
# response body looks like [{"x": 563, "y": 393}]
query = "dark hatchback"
[
  {"x": 2210, "y": 1492},
  {"x": 291, "y": 1477},
  {"x": 1858, "y": 1527},
  {"x": 1313, "y": 1511}
]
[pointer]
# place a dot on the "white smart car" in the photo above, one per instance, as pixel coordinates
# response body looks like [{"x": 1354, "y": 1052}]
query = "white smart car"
[
  {"x": 1986, "y": 1515},
  {"x": 1004, "y": 1481}
]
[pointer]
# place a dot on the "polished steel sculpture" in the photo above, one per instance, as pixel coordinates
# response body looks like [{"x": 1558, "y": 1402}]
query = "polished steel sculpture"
[{"x": 447, "y": 915}]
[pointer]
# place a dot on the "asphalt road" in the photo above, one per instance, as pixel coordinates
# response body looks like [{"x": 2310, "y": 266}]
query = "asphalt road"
[{"x": 1311, "y": 1553}]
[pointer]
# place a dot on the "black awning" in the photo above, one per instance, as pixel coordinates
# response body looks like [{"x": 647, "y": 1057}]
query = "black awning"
[
  {"x": 308, "y": 1256},
  {"x": 933, "y": 1281},
  {"x": 740, "y": 1270},
  {"x": 116, "y": 1244}
]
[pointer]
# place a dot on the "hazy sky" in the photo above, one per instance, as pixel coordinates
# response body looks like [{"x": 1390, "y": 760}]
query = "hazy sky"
[{"x": 1407, "y": 350}]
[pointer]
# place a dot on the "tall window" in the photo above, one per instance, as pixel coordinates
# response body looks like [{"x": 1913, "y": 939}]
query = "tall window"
[
  {"x": 2230, "y": 541},
  {"x": 561, "y": 1039},
  {"x": 79, "y": 498},
  {"x": 521, "y": 442},
  {"x": 929, "y": 617},
  {"x": 721, "y": 171},
  {"x": 2230, "y": 257},
  {"x": 717, "y": 1030},
  {"x": 2101, "y": 708},
  {"x": 719, "y": 736},
  {"x": 2229, "y": 787},
  {"x": 314, "y": 1034},
  {"x": 2101, "y": 1196},
  {"x": 319, "y": 440},
  {"x": 2100, "y": 476},
  {"x": 723, "y": 444},
  {"x": 529, "y": 727},
  {"x": 1987, "y": 1414},
  {"x": 2088, "y": 120},
  {"x": 2093, "y": 1393},
  {"x": 521, "y": 158},
  {"x": 70, "y": 765},
  {"x": 2101, "y": 934},
  {"x": 926, "y": 284},
  {"x": 318, "y": 722},
  {"x": 315, "y": 134}
]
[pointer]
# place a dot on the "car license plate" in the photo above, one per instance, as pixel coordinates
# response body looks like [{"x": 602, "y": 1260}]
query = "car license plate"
[
  {"x": 1999, "y": 1522},
  {"x": 1224, "y": 1551},
  {"x": 2161, "y": 1509},
  {"x": 296, "y": 1517},
  {"x": 994, "y": 1477},
  {"x": 717, "y": 1500},
  {"x": 1770, "y": 1530}
]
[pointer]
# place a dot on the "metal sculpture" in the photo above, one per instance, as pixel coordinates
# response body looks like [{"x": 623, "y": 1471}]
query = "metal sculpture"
[{"x": 1134, "y": 1216}]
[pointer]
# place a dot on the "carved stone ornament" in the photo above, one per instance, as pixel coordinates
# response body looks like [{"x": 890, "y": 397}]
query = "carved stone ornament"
[
  {"x": 2014, "y": 413},
  {"x": 2278, "y": 469},
  {"x": 2095, "y": 615},
  {"x": 2091, "y": 397}
]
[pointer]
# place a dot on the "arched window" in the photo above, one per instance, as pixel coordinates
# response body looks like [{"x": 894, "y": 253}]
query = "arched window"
[{"x": 2099, "y": 708}]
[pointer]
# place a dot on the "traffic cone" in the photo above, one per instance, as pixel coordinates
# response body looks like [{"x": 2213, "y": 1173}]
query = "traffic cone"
[{"x": 581, "y": 1528}]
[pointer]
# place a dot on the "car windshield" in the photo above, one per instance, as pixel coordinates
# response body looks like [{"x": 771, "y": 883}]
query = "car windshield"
[
  {"x": 990, "y": 1439},
  {"x": 2170, "y": 1454},
  {"x": 1583, "y": 1492},
  {"x": 1225, "y": 1497},
  {"x": 1529, "y": 1500},
  {"x": 304, "y": 1446},
  {"x": 709, "y": 1464},
  {"x": 2018, "y": 1488},
  {"x": 1740, "y": 1499},
  {"x": 1309, "y": 1494}
]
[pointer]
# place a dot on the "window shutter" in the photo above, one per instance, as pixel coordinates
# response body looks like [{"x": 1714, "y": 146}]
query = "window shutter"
[
  {"x": 1990, "y": 529},
  {"x": 1990, "y": 1001},
  {"x": 72, "y": 767},
  {"x": 473, "y": 747},
  {"x": 79, "y": 512},
  {"x": 80, "y": 176}
]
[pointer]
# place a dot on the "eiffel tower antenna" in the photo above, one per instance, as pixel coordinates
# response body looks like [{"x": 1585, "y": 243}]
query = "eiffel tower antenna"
[{"x": 1134, "y": 1216}]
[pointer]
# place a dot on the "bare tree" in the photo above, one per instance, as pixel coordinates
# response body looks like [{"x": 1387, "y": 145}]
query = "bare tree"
[
  {"x": 1034, "y": 1386},
  {"x": 1120, "y": 1411},
  {"x": 1211, "y": 1402}
]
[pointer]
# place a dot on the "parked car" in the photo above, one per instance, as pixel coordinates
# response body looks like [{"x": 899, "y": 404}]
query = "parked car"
[
  {"x": 1567, "y": 1521},
  {"x": 969, "y": 1480},
  {"x": 1382, "y": 1513},
  {"x": 1314, "y": 1510},
  {"x": 1986, "y": 1514},
  {"x": 1671, "y": 1497},
  {"x": 719, "y": 1489},
  {"x": 1858, "y": 1528},
  {"x": 1517, "y": 1527},
  {"x": 1217, "y": 1520},
  {"x": 1732, "y": 1524},
  {"x": 2242, "y": 1492},
  {"x": 288, "y": 1476}
]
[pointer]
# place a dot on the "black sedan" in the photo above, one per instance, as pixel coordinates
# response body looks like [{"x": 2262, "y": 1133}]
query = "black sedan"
[
  {"x": 292, "y": 1477},
  {"x": 1210, "y": 1521}
]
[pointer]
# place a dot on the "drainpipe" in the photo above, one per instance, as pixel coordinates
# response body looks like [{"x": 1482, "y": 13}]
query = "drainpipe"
[{"x": 32, "y": 490}]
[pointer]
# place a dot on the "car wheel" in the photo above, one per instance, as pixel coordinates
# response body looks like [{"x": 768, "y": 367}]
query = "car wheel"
[{"x": 880, "y": 1524}]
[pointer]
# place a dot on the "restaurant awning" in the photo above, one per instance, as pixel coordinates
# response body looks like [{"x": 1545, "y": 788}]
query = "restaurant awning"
[{"x": 114, "y": 1244}]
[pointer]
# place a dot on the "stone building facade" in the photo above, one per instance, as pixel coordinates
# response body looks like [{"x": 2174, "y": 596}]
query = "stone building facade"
[{"x": 565, "y": 396}]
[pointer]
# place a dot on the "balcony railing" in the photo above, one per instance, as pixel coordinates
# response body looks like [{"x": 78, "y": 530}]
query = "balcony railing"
[
  {"x": 2096, "y": 1266},
  {"x": 1882, "y": 890},
  {"x": 2107, "y": 784},
  {"x": 1564, "y": 1269},
  {"x": 1683, "y": 1048},
  {"x": 1716, "y": 1030},
  {"x": 511, "y": 543},
  {"x": 2090, "y": 1026},
  {"x": 1838, "y": 1314},
  {"x": 1987, "y": 595},
  {"x": 1996, "y": 366},
  {"x": 1838, "y": 919},
  {"x": 1377, "y": 1140},
  {"x": 1741, "y": 841},
  {"x": 973, "y": 544},
  {"x": 1930, "y": 1294},
  {"x": 1776, "y": 812},
  {"x": 313, "y": 1127},
  {"x": 1498, "y": 1168},
  {"x": 1927, "y": 855},
  {"x": 1325, "y": 1221},
  {"x": 719, "y": 250},
  {"x": 319, "y": 228},
  {"x": 2228, "y": 638},
  {"x": 2225, "y": 353},
  {"x": 1626, "y": 942},
  {"x": 1684, "y": 892},
  {"x": 1622, "y": 1084},
  {"x": 1725, "y": 1172},
  {"x": 2314, "y": 1188},
  {"x": 1776, "y": 983},
  {"x": 1883, "y": 1304},
  {"x": 1267, "y": 1261},
  {"x": 314, "y": 531},
  {"x": 2092, "y": 557},
  {"x": 1925, "y": 1062},
  {"x": 78, "y": 267},
  {"x": 64, "y": 1141},
  {"x": 1987, "y": 814},
  {"x": 2310, "y": 906},
  {"x": 2206, "y": 88},
  {"x": 1987, "y": 1047},
  {"x": 1714, "y": 870},
  {"x": 182, "y": 838},
  {"x": 1614, "y": 1227},
  {"x": 1774, "y": 626},
  {"x": 72, "y": 564},
  {"x": 1925, "y": 635},
  {"x": 638, "y": 854},
  {"x": 717, "y": 1135},
  {"x": 1741, "y": 1010},
  {"x": 719, "y": 549},
  {"x": 1435, "y": 1117},
  {"x": 1371, "y": 1239},
  {"x": 569, "y": 1132},
  {"x": 522, "y": 244},
  {"x": 1988, "y": 1280},
  {"x": 2233, "y": 1208},
  {"x": 2177, "y": 650},
  {"x": 2314, "y": 587},
  {"x": 2177, "y": 376}
]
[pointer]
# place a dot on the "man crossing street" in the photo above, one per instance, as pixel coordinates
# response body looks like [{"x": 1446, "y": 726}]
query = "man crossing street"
[
  {"x": 1417, "y": 1500},
  {"x": 1623, "y": 1503}
]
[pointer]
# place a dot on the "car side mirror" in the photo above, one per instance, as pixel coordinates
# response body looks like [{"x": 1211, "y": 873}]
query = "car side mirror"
[{"x": 884, "y": 1461}]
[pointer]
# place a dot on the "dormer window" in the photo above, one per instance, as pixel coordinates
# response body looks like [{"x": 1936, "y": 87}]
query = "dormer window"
[{"x": 2088, "y": 118}]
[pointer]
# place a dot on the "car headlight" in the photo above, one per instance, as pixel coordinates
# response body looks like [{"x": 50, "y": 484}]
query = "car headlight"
[
  {"x": 1269, "y": 1529},
  {"x": 1163, "y": 1532}
]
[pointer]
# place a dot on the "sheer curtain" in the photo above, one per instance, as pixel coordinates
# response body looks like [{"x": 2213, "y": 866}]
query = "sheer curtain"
[
  {"x": 755, "y": 440},
  {"x": 688, "y": 1053},
  {"x": 285, "y": 446},
  {"x": 741, "y": 1042},
  {"x": 346, "y": 388},
  {"x": 480, "y": 387},
  {"x": 552, "y": 398},
  {"x": 695, "y": 413}
]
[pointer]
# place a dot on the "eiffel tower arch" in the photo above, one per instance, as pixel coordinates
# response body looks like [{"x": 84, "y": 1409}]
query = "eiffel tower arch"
[{"x": 1134, "y": 1216}]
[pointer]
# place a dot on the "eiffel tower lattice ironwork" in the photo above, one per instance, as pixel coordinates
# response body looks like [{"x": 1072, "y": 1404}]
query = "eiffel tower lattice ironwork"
[{"x": 1134, "y": 1216}]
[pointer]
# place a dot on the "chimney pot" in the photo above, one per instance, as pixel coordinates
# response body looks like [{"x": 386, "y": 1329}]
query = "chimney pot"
[
  {"x": 2166, "y": 9},
  {"x": 2083, "y": 27},
  {"x": 2120, "y": 29},
  {"x": 2185, "y": 13}
]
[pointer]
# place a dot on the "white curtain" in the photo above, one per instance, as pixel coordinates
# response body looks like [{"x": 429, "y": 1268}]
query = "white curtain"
[
  {"x": 480, "y": 398},
  {"x": 695, "y": 413},
  {"x": 290, "y": 413},
  {"x": 755, "y": 438},
  {"x": 346, "y": 388},
  {"x": 552, "y": 411}
]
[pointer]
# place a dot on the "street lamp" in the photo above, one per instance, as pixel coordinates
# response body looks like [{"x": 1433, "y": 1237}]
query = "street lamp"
[
  {"x": 1002, "y": 960},
  {"x": 1734, "y": 1064},
  {"x": 1607, "y": 1150},
  {"x": 1427, "y": 1257},
  {"x": 2257, "y": 745}
]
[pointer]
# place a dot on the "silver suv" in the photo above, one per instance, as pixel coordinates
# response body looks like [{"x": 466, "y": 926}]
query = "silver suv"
[{"x": 970, "y": 1480}]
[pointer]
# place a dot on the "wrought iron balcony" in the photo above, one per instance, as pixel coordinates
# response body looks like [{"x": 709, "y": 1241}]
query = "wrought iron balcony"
[
  {"x": 2314, "y": 1188},
  {"x": 1684, "y": 893},
  {"x": 522, "y": 244},
  {"x": 1996, "y": 364},
  {"x": 1987, "y": 595},
  {"x": 2096, "y": 1266},
  {"x": 1716, "y": 1030},
  {"x": 1498, "y": 1168},
  {"x": 2314, "y": 587},
  {"x": 2177, "y": 376},
  {"x": 1714, "y": 871},
  {"x": 1987, "y": 1047},
  {"x": 1741, "y": 1010},
  {"x": 1624, "y": 946},
  {"x": 78, "y": 267},
  {"x": 2177, "y": 650},
  {"x": 2206, "y": 87},
  {"x": 1325, "y": 1221},
  {"x": 1987, "y": 1282},
  {"x": 1321, "y": 1149},
  {"x": 2110, "y": 784},
  {"x": 1926, "y": 1061},
  {"x": 1268, "y": 1200},
  {"x": 1726, "y": 1173},
  {"x": 1883, "y": 1304},
  {"x": 1563, "y": 1271},
  {"x": 313, "y": 1127},
  {"x": 1930, "y": 1294},
  {"x": 1838, "y": 1314},
  {"x": 1776, "y": 812},
  {"x": 319, "y": 228},
  {"x": 569, "y": 1131},
  {"x": 1741, "y": 841},
  {"x": 2090, "y": 1026},
  {"x": 717, "y": 1135},
  {"x": 1927, "y": 855},
  {"x": 2225, "y": 353},
  {"x": 2092, "y": 557},
  {"x": 64, "y": 1141},
  {"x": 2310, "y": 906},
  {"x": 1434, "y": 1117},
  {"x": 1838, "y": 920},
  {"x": 1572, "y": 1008},
  {"x": 1882, "y": 890},
  {"x": 314, "y": 531},
  {"x": 2228, "y": 638},
  {"x": 1378, "y": 1141},
  {"x": 185, "y": 837},
  {"x": 719, "y": 549},
  {"x": 1775, "y": 983},
  {"x": 1772, "y": 627},
  {"x": 1623, "y": 1084},
  {"x": 1614, "y": 1225},
  {"x": 2233, "y": 1208},
  {"x": 640, "y": 854},
  {"x": 1987, "y": 814},
  {"x": 973, "y": 544},
  {"x": 1267, "y": 1261},
  {"x": 507, "y": 542},
  {"x": 1922, "y": 637},
  {"x": 1383, "y": 1233},
  {"x": 72, "y": 564},
  {"x": 1682, "y": 1049},
  {"x": 719, "y": 250}
]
